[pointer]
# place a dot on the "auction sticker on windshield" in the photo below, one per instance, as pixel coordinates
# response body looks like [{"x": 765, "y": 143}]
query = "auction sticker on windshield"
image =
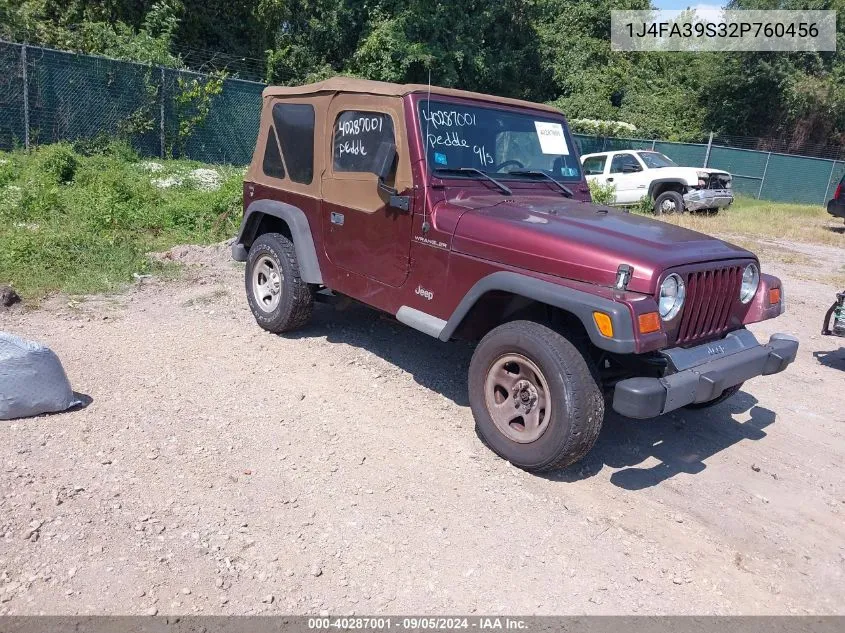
[{"x": 552, "y": 140}]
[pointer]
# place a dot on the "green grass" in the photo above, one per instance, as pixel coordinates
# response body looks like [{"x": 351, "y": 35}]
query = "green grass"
[
  {"x": 755, "y": 219},
  {"x": 84, "y": 223}
]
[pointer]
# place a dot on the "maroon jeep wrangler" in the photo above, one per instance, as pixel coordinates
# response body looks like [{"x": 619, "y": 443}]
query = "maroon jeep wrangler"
[{"x": 468, "y": 216}]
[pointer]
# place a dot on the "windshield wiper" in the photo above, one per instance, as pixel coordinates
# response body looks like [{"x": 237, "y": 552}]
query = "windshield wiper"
[
  {"x": 473, "y": 170},
  {"x": 536, "y": 172}
]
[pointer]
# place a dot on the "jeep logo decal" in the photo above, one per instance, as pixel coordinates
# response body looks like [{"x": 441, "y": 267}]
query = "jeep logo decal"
[
  {"x": 713, "y": 350},
  {"x": 428, "y": 294}
]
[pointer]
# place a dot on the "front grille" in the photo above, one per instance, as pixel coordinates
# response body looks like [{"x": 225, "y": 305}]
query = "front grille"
[
  {"x": 710, "y": 296},
  {"x": 718, "y": 181}
]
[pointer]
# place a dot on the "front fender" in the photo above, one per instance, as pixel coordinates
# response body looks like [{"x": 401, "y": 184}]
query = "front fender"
[
  {"x": 581, "y": 304},
  {"x": 760, "y": 308},
  {"x": 674, "y": 180},
  {"x": 300, "y": 229}
]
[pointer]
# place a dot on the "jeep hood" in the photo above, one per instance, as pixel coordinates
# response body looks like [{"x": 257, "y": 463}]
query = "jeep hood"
[{"x": 578, "y": 240}]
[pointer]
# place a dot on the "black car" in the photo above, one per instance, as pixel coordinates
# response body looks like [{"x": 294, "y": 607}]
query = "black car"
[{"x": 836, "y": 207}]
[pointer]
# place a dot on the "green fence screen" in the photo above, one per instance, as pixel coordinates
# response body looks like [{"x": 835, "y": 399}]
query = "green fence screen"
[
  {"x": 12, "y": 119},
  {"x": 48, "y": 96}
]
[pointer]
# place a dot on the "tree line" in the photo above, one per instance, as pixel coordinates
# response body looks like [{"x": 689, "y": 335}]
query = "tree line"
[{"x": 555, "y": 51}]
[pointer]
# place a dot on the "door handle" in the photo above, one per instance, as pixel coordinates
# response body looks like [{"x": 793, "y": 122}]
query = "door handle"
[
  {"x": 610, "y": 179},
  {"x": 337, "y": 218}
]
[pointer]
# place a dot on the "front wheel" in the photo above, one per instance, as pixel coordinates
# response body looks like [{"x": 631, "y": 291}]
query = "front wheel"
[
  {"x": 535, "y": 397},
  {"x": 669, "y": 203},
  {"x": 280, "y": 301}
]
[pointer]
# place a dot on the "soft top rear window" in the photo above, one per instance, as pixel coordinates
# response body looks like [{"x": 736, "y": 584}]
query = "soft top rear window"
[{"x": 295, "y": 127}]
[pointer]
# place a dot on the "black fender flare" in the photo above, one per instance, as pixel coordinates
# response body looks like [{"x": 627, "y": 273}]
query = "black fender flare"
[
  {"x": 577, "y": 302},
  {"x": 659, "y": 181},
  {"x": 300, "y": 229}
]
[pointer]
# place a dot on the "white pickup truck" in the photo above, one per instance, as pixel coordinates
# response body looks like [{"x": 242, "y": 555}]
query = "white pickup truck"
[{"x": 672, "y": 189}]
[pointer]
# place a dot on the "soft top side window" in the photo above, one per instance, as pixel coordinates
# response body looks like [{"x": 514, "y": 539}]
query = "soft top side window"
[
  {"x": 272, "y": 163},
  {"x": 295, "y": 125},
  {"x": 357, "y": 136}
]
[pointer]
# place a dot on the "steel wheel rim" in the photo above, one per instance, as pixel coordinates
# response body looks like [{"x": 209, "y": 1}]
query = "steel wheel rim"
[
  {"x": 516, "y": 394},
  {"x": 267, "y": 280},
  {"x": 668, "y": 206}
]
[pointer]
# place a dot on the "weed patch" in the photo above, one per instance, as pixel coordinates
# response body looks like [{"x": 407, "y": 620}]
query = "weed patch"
[
  {"x": 760, "y": 219},
  {"x": 83, "y": 223}
]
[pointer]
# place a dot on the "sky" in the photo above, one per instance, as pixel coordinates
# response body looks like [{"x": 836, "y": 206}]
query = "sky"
[{"x": 683, "y": 4}]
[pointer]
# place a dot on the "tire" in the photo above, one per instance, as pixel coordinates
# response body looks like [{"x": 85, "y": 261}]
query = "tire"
[
  {"x": 568, "y": 383},
  {"x": 666, "y": 199},
  {"x": 283, "y": 302},
  {"x": 727, "y": 393}
]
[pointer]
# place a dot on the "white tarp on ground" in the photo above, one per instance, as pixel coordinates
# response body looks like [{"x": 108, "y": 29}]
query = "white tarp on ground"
[{"x": 32, "y": 380}]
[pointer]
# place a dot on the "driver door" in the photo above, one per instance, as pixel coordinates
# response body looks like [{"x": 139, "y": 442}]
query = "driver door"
[
  {"x": 362, "y": 232},
  {"x": 625, "y": 172}
]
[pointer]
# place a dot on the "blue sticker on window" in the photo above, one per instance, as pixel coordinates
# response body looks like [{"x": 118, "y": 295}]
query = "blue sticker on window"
[{"x": 440, "y": 159}]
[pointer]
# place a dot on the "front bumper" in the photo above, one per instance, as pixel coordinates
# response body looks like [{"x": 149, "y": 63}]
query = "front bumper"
[
  {"x": 699, "y": 199},
  {"x": 702, "y": 373},
  {"x": 836, "y": 207}
]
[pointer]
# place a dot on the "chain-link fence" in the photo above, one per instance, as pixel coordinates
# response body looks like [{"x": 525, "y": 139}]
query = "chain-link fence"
[
  {"x": 48, "y": 96},
  {"x": 765, "y": 175}
]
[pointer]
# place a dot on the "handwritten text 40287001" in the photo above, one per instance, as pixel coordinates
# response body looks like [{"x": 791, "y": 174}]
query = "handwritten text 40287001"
[{"x": 444, "y": 130}]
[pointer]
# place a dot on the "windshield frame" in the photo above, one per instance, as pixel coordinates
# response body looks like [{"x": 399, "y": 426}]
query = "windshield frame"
[{"x": 419, "y": 100}]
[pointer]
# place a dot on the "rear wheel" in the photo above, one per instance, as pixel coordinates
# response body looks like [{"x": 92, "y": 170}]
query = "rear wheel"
[
  {"x": 668, "y": 203},
  {"x": 280, "y": 301},
  {"x": 535, "y": 398}
]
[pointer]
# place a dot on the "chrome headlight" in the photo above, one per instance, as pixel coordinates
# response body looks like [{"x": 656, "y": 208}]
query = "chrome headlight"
[
  {"x": 750, "y": 282},
  {"x": 672, "y": 294}
]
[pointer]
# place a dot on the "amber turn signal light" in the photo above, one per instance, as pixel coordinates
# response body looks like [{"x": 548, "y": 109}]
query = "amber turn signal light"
[
  {"x": 604, "y": 324},
  {"x": 774, "y": 296},
  {"x": 649, "y": 322}
]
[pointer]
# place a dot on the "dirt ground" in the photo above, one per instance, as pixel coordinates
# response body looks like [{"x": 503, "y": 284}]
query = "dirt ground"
[{"x": 219, "y": 469}]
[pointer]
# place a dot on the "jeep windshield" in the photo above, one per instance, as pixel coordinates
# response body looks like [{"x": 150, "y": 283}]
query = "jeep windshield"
[
  {"x": 462, "y": 140},
  {"x": 656, "y": 160}
]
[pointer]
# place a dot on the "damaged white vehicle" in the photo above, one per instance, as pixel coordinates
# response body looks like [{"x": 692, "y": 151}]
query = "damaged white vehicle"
[{"x": 672, "y": 189}]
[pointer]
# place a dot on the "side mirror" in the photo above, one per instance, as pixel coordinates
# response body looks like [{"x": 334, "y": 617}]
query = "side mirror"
[
  {"x": 384, "y": 163},
  {"x": 631, "y": 169},
  {"x": 384, "y": 160}
]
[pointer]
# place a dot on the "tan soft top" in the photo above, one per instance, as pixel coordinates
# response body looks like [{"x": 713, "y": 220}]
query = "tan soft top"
[{"x": 365, "y": 86}]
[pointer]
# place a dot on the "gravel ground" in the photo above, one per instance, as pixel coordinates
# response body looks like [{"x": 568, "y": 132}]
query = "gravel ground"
[{"x": 219, "y": 469}]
